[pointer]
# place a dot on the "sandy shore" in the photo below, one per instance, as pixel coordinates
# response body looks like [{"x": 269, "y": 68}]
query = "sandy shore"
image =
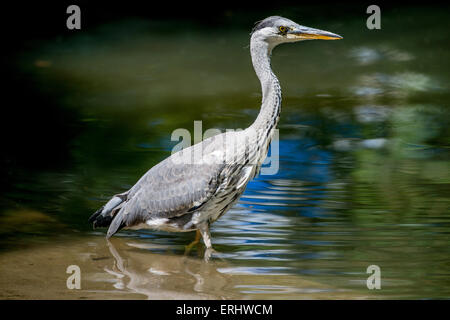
[{"x": 127, "y": 269}]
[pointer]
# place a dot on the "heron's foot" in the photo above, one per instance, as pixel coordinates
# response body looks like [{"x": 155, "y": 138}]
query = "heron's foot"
[
  {"x": 188, "y": 248},
  {"x": 209, "y": 252}
]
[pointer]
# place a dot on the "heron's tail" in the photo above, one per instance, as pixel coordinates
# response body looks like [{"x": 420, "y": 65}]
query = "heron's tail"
[{"x": 104, "y": 216}]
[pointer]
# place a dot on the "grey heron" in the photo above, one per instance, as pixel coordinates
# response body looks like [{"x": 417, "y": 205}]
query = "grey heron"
[{"x": 184, "y": 193}]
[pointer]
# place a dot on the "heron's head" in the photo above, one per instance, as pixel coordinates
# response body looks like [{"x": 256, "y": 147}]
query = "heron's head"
[{"x": 276, "y": 30}]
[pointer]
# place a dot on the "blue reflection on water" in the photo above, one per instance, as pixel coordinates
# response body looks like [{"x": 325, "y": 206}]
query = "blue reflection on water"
[{"x": 299, "y": 183}]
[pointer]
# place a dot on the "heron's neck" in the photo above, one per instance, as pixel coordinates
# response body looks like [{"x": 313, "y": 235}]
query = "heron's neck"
[{"x": 271, "y": 91}]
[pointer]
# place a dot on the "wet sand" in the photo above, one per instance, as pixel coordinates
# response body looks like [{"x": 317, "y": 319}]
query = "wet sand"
[{"x": 126, "y": 269}]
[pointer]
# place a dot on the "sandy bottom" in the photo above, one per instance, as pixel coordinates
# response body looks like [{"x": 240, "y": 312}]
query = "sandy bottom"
[{"x": 127, "y": 269}]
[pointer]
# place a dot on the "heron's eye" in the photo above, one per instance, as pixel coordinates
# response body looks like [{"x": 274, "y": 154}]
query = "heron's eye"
[{"x": 282, "y": 29}]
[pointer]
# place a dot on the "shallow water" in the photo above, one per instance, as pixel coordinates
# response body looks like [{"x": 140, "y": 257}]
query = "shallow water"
[{"x": 363, "y": 176}]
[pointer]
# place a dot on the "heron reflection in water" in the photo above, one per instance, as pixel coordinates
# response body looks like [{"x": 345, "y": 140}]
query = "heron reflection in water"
[
  {"x": 156, "y": 277},
  {"x": 177, "y": 195}
]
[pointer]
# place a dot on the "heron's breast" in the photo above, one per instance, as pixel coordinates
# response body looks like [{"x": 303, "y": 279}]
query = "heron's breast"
[{"x": 226, "y": 196}]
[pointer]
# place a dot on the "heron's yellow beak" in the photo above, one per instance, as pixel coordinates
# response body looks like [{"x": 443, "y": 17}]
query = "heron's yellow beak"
[{"x": 312, "y": 34}]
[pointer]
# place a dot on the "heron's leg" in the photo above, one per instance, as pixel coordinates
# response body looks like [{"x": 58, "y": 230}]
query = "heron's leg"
[
  {"x": 193, "y": 243},
  {"x": 204, "y": 230}
]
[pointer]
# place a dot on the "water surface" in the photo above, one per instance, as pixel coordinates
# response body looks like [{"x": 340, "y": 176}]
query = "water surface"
[{"x": 363, "y": 177}]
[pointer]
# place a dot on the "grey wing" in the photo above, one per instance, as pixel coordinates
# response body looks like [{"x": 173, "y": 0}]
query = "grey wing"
[{"x": 167, "y": 190}]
